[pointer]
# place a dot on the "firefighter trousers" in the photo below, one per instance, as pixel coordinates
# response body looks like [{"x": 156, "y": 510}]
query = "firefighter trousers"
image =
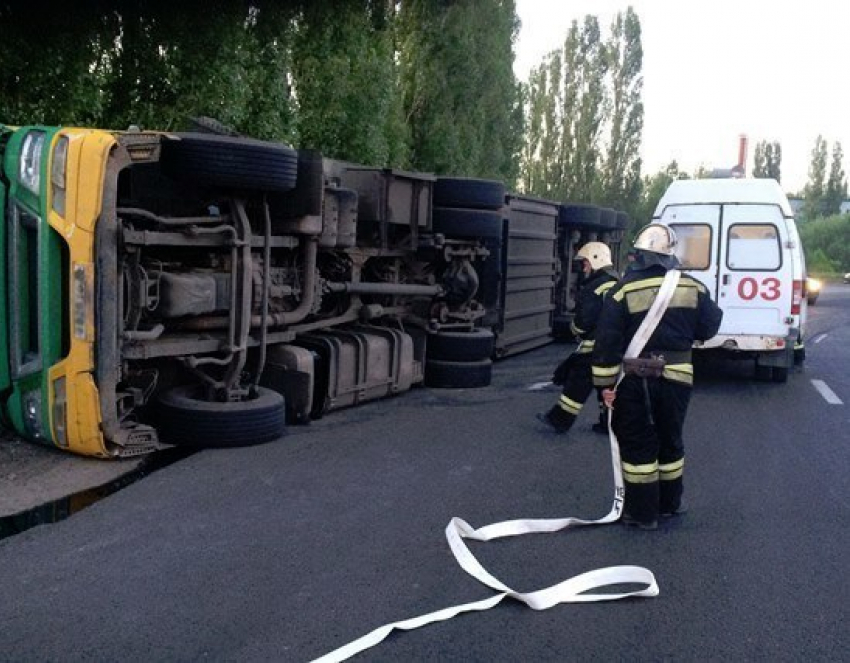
[
  {"x": 577, "y": 387},
  {"x": 648, "y": 417}
]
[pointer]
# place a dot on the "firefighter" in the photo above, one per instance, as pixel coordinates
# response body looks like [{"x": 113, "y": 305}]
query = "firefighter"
[
  {"x": 649, "y": 412},
  {"x": 574, "y": 373}
]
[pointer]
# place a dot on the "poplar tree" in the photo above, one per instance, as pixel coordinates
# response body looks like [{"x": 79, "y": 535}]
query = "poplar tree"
[
  {"x": 588, "y": 79},
  {"x": 344, "y": 79},
  {"x": 622, "y": 169},
  {"x": 835, "y": 191},
  {"x": 459, "y": 92},
  {"x": 815, "y": 188},
  {"x": 767, "y": 160}
]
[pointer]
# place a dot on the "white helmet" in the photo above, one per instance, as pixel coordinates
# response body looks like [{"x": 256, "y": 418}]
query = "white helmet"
[
  {"x": 656, "y": 238},
  {"x": 596, "y": 253}
]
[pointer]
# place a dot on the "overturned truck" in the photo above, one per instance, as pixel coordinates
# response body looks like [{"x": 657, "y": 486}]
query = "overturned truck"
[{"x": 199, "y": 289}]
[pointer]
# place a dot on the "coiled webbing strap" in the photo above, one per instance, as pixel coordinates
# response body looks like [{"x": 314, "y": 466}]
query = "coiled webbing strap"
[{"x": 582, "y": 588}]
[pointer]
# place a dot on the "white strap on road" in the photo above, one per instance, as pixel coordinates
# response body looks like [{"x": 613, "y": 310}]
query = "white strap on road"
[{"x": 578, "y": 589}]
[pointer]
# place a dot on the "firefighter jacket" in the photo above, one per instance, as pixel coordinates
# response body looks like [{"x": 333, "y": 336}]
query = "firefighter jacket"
[
  {"x": 690, "y": 316},
  {"x": 589, "y": 306}
]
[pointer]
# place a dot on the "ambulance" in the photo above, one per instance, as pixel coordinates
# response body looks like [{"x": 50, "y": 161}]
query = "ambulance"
[{"x": 739, "y": 238}]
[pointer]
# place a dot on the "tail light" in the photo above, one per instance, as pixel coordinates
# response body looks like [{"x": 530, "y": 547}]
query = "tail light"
[{"x": 797, "y": 298}]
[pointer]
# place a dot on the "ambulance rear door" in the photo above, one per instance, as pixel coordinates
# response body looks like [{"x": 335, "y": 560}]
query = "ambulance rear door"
[
  {"x": 755, "y": 277},
  {"x": 697, "y": 229}
]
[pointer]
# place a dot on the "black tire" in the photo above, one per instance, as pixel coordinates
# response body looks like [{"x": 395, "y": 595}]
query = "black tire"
[
  {"x": 209, "y": 125},
  {"x": 306, "y": 198},
  {"x": 461, "y": 346},
  {"x": 579, "y": 215},
  {"x": 458, "y": 374},
  {"x": 469, "y": 192},
  {"x": 184, "y": 419},
  {"x": 764, "y": 373},
  {"x": 779, "y": 374},
  {"x": 225, "y": 161},
  {"x": 467, "y": 223},
  {"x": 608, "y": 218}
]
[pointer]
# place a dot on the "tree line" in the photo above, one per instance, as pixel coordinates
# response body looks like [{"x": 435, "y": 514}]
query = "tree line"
[
  {"x": 419, "y": 84},
  {"x": 416, "y": 84}
]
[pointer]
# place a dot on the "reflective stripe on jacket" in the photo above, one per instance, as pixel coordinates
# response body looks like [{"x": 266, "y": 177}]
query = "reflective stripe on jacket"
[{"x": 691, "y": 315}]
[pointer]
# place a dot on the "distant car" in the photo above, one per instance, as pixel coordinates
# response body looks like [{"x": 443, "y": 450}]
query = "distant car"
[
  {"x": 813, "y": 288},
  {"x": 847, "y": 277}
]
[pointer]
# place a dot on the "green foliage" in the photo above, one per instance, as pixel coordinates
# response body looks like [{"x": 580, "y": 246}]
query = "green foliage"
[
  {"x": 459, "y": 91},
  {"x": 767, "y": 162},
  {"x": 836, "y": 185},
  {"x": 345, "y": 81},
  {"x": 826, "y": 242},
  {"x": 584, "y": 117},
  {"x": 621, "y": 174},
  {"x": 814, "y": 189},
  {"x": 653, "y": 188}
]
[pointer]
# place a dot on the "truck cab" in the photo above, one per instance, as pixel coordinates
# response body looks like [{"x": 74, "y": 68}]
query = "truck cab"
[{"x": 739, "y": 238}]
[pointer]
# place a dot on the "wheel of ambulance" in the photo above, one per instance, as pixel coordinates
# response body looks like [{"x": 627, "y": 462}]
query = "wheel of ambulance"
[
  {"x": 463, "y": 346},
  {"x": 799, "y": 352},
  {"x": 458, "y": 374},
  {"x": 763, "y": 373},
  {"x": 779, "y": 374},
  {"x": 469, "y": 192},
  {"x": 230, "y": 162},
  {"x": 467, "y": 223},
  {"x": 185, "y": 419}
]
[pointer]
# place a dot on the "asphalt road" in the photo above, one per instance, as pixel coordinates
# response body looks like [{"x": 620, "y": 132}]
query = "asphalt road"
[{"x": 289, "y": 550}]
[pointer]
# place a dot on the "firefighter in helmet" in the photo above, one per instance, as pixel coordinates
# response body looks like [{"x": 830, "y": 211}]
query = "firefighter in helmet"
[
  {"x": 574, "y": 373},
  {"x": 649, "y": 412}
]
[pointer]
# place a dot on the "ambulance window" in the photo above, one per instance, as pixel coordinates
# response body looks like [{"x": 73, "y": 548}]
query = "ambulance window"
[
  {"x": 753, "y": 246},
  {"x": 694, "y": 244}
]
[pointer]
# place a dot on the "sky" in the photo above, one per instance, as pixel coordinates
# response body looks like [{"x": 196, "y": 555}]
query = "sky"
[{"x": 775, "y": 70}]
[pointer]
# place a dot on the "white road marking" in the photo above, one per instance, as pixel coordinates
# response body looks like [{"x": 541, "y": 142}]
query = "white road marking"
[
  {"x": 827, "y": 393},
  {"x": 540, "y": 386},
  {"x": 820, "y": 338}
]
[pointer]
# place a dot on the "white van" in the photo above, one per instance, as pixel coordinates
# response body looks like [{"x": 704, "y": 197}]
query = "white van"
[{"x": 739, "y": 238}]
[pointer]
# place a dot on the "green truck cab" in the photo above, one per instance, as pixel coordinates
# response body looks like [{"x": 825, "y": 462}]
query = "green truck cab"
[{"x": 33, "y": 283}]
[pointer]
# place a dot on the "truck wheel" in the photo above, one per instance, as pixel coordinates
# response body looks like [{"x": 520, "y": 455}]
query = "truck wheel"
[
  {"x": 226, "y": 161},
  {"x": 464, "y": 346},
  {"x": 579, "y": 215},
  {"x": 306, "y": 198},
  {"x": 185, "y": 419},
  {"x": 458, "y": 374},
  {"x": 469, "y": 192},
  {"x": 467, "y": 223}
]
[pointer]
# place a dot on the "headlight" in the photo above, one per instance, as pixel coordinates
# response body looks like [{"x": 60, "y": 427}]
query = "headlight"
[
  {"x": 57, "y": 174},
  {"x": 815, "y": 285},
  {"x": 32, "y": 415},
  {"x": 60, "y": 414},
  {"x": 30, "y": 163}
]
